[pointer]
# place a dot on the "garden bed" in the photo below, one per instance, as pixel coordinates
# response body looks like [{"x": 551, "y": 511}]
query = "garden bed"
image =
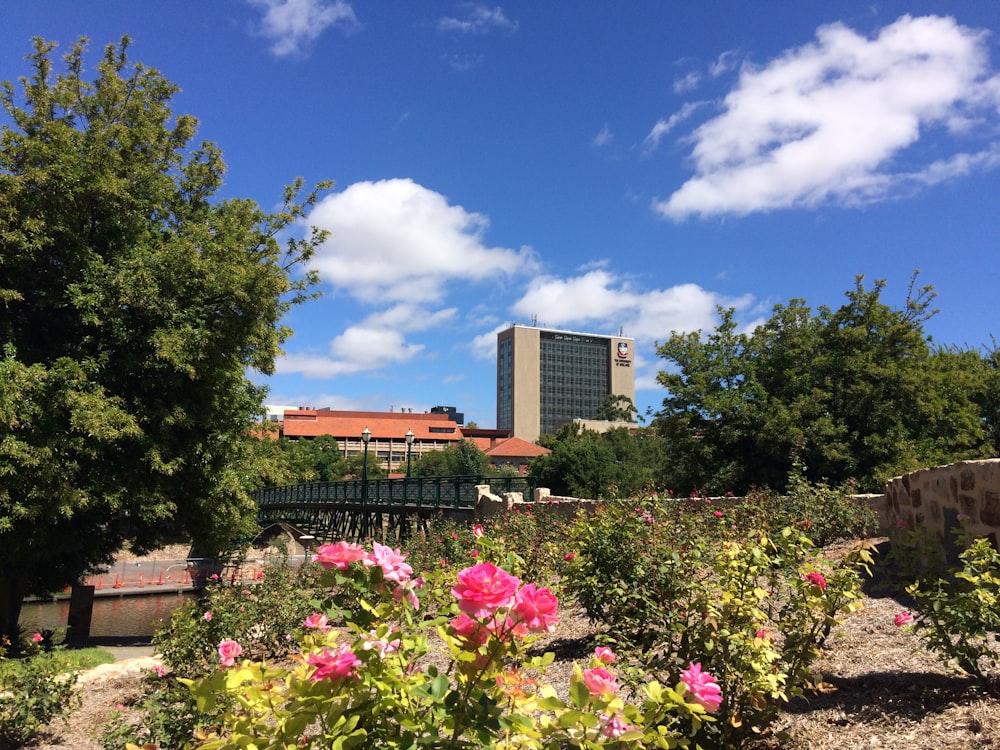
[{"x": 883, "y": 690}]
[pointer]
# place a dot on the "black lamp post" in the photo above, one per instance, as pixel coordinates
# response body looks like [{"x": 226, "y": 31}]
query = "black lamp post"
[
  {"x": 409, "y": 444},
  {"x": 365, "y": 437}
]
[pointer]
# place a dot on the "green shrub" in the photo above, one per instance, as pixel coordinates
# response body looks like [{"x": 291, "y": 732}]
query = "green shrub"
[
  {"x": 263, "y": 614},
  {"x": 33, "y": 691},
  {"x": 687, "y": 580},
  {"x": 958, "y": 615}
]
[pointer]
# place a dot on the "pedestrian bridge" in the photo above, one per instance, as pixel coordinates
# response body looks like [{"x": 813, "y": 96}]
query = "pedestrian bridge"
[{"x": 384, "y": 509}]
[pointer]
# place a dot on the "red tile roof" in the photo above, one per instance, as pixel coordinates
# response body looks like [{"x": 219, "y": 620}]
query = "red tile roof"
[{"x": 382, "y": 425}]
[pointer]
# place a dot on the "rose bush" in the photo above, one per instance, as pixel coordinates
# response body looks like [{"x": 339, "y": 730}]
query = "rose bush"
[
  {"x": 676, "y": 587},
  {"x": 368, "y": 683}
]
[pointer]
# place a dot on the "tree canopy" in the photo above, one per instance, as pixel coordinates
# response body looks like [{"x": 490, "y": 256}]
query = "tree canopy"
[
  {"x": 858, "y": 392},
  {"x": 132, "y": 305}
]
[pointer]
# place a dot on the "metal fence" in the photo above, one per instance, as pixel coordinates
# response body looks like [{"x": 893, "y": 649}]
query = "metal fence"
[{"x": 416, "y": 492}]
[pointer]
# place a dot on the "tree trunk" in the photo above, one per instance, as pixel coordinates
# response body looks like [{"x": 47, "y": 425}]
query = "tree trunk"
[{"x": 12, "y": 591}]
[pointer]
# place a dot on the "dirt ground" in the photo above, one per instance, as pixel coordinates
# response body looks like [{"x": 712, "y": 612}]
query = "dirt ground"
[{"x": 882, "y": 690}]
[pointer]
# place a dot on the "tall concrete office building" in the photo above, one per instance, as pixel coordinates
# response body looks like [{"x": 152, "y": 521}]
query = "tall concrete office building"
[{"x": 546, "y": 378}]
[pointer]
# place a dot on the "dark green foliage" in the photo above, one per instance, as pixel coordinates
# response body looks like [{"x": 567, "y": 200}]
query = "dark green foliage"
[
  {"x": 584, "y": 463},
  {"x": 133, "y": 304},
  {"x": 853, "y": 393},
  {"x": 33, "y": 692},
  {"x": 461, "y": 459}
]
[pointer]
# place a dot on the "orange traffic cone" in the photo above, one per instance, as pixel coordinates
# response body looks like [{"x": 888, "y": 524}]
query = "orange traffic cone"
[
  {"x": 160, "y": 582},
  {"x": 118, "y": 582},
  {"x": 140, "y": 581}
]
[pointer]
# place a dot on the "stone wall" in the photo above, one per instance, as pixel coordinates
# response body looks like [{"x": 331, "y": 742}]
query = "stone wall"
[{"x": 963, "y": 495}]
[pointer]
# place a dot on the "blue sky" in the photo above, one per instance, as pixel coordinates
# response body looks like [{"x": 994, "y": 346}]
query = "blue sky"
[{"x": 595, "y": 166}]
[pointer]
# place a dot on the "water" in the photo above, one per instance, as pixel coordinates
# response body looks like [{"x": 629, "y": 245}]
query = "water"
[{"x": 113, "y": 615}]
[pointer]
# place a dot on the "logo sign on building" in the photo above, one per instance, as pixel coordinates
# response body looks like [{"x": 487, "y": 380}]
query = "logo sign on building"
[{"x": 623, "y": 355}]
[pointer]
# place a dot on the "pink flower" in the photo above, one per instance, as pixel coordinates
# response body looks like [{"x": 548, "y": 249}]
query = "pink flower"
[
  {"x": 705, "y": 691},
  {"x": 470, "y": 630},
  {"x": 36, "y": 637},
  {"x": 228, "y": 651},
  {"x": 569, "y": 556},
  {"x": 391, "y": 562},
  {"x": 816, "y": 579},
  {"x": 605, "y": 654},
  {"x": 484, "y": 588},
  {"x": 333, "y": 665},
  {"x": 208, "y": 616},
  {"x": 317, "y": 621},
  {"x": 159, "y": 670},
  {"x": 477, "y": 531},
  {"x": 762, "y": 635},
  {"x": 717, "y": 514},
  {"x": 536, "y": 609},
  {"x": 381, "y": 646},
  {"x": 615, "y": 726},
  {"x": 903, "y": 618},
  {"x": 339, "y": 555},
  {"x": 475, "y": 553},
  {"x": 599, "y": 681}
]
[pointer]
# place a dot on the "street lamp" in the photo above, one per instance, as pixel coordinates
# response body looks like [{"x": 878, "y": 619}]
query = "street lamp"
[
  {"x": 409, "y": 444},
  {"x": 365, "y": 437}
]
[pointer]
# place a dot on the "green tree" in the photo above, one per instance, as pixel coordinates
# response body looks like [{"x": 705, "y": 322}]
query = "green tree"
[
  {"x": 461, "y": 459},
  {"x": 354, "y": 466},
  {"x": 581, "y": 464},
  {"x": 132, "y": 305},
  {"x": 617, "y": 408},
  {"x": 856, "y": 392},
  {"x": 315, "y": 459}
]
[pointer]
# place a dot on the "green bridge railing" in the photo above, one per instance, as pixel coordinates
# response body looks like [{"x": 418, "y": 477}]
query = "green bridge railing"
[
  {"x": 417, "y": 492},
  {"x": 355, "y": 509}
]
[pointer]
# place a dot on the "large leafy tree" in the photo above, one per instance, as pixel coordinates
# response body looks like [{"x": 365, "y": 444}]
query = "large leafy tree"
[
  {"x": 132, "y": 305},
  {"x": 856, "y": 392}
]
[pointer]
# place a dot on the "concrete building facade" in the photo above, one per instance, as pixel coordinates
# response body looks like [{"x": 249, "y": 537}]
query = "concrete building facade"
[{"x": 548, "y": 377}]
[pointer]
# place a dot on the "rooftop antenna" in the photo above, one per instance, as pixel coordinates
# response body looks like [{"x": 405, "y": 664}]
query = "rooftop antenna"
[{"x": 534, "y": 321}]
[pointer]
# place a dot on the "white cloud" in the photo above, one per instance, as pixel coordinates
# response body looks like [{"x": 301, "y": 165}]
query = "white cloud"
[
  {"x": 292, "y": 25},
  {"x": 395, "y": 240},
  {"x": 833, "y": 120},
  {"x": 603, "y": 138},
  {"x": 663, "y": 127},
  {"x": 479, "y": 20},
  {"x": 377, "y": 342},
  {"x": 601, "y": 301},
  {"x": 689, "y": 82}
]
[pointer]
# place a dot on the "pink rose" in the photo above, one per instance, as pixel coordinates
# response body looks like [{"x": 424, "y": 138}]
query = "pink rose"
[
  {"x": 477, "y": 531},
  {"x": 484, "y": 588},
  {"x": 380, "y": 645},
  {"x": 317, "y": 621},
  {"x": 472, "y": 631},
  {"x": 536, "y": 609},
  {"x": 333, "y": 665},
  {"x": 816, "y": 579},
  {"x": 605, "y": 654},
  {"x": 762, "y": 635},
  {"x": 208, "y": 616},
  {"x": 391, "y": 562},
  {"x": 717, "y": 514},
  {"x": 903, "y": 618},
  {"x": 339, "y": 555},
  {"x": 615, "y": 726},
  {"x": 569, "y": 556},
  {"x": 599, "y": 681},
  {"x": 36, "y": 637},
  {"x": 228, "y": 651},
  {"x": 705, "y": 691}
]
